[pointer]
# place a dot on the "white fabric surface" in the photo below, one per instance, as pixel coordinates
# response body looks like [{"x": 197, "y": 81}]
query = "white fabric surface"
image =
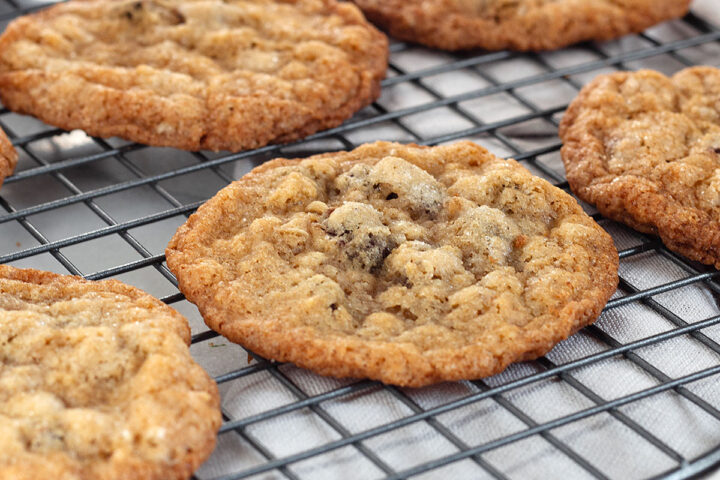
[{"x": 707, "y": 9}]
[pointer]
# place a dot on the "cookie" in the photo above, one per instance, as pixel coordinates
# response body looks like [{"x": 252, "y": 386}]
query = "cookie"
[
  {"x": 405, "y": 264},
  {"x": 516, "y": 24},
  {"x": 645, "y": 149},
  {"x": 97, "y": 382},
  {"x": 8, "y": 157},
  {"x": 191, "y": 74}
]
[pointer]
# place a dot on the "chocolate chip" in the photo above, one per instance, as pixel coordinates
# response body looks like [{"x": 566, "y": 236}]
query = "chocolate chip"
[
  {"x": 179, "y": 18},
  {"x": 391, "y": 196}
]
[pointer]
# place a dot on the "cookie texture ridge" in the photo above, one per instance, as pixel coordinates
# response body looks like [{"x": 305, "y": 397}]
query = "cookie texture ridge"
[
  {"x": 645, "y": 149},
  {"x": 8, "y": 157},
  {"x": 193, "y": 74},
  {"x": 516, "y": 24},
  {"x": 405, "y": 264},
  {"x": 97, "y": 382}
]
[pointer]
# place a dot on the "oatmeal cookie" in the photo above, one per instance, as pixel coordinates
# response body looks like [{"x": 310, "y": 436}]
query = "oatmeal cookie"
[
  {"x": 645, "y": 149},
  {"x": 8, "y": 157},
  {"x": 516, "y": 24},
  {"x": 406, "y": 264},
  {"x": 193, "y": 74},
  {"x": 96, "y": 382}
]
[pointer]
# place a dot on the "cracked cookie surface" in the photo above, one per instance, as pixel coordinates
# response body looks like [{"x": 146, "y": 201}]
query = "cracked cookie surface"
[
  {"x": 8, "y": 157},
  {"x": 193, "y": 74},
  {"x": 516, "y": 24},
  {"x": 645, "y": 149},
  {"x": 97, "y": 382},
  {"x": 406, "y": 264}
]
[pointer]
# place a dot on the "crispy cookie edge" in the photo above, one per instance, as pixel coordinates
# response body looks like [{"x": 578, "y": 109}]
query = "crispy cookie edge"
[
  {"x": 185, "y": 466},
  {"x": 390, "y": 363},
  {"x": 437, "y": 24},
  {"x": 8, "y": 157},
  {"x": 631, "y": 200},
  {"x": 134, "y": 111}
]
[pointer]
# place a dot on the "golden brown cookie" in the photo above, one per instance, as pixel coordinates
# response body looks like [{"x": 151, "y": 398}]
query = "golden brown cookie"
[
  {"x": 96, "y": 382},
  {"x": 192, "y": 74},
  {"x": 406, "y": 264},
  {"x": 645, "y": 149},
  {"x": 516, "y": 24},
  {"x": 8, "y": 157}
]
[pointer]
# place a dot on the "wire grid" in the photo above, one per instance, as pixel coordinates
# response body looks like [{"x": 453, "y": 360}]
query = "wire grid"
[{"x": 106, "y": 208}]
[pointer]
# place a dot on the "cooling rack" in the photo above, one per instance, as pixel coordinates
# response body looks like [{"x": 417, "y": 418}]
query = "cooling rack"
[{"x": 634, "y": 396}]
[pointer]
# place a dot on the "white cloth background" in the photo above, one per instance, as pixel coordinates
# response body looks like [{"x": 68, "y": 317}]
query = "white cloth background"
[{"x": 708, "y": 9}]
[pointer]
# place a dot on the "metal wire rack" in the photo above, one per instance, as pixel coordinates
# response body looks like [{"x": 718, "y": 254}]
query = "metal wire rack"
[{"x": 634, "y": 396}]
